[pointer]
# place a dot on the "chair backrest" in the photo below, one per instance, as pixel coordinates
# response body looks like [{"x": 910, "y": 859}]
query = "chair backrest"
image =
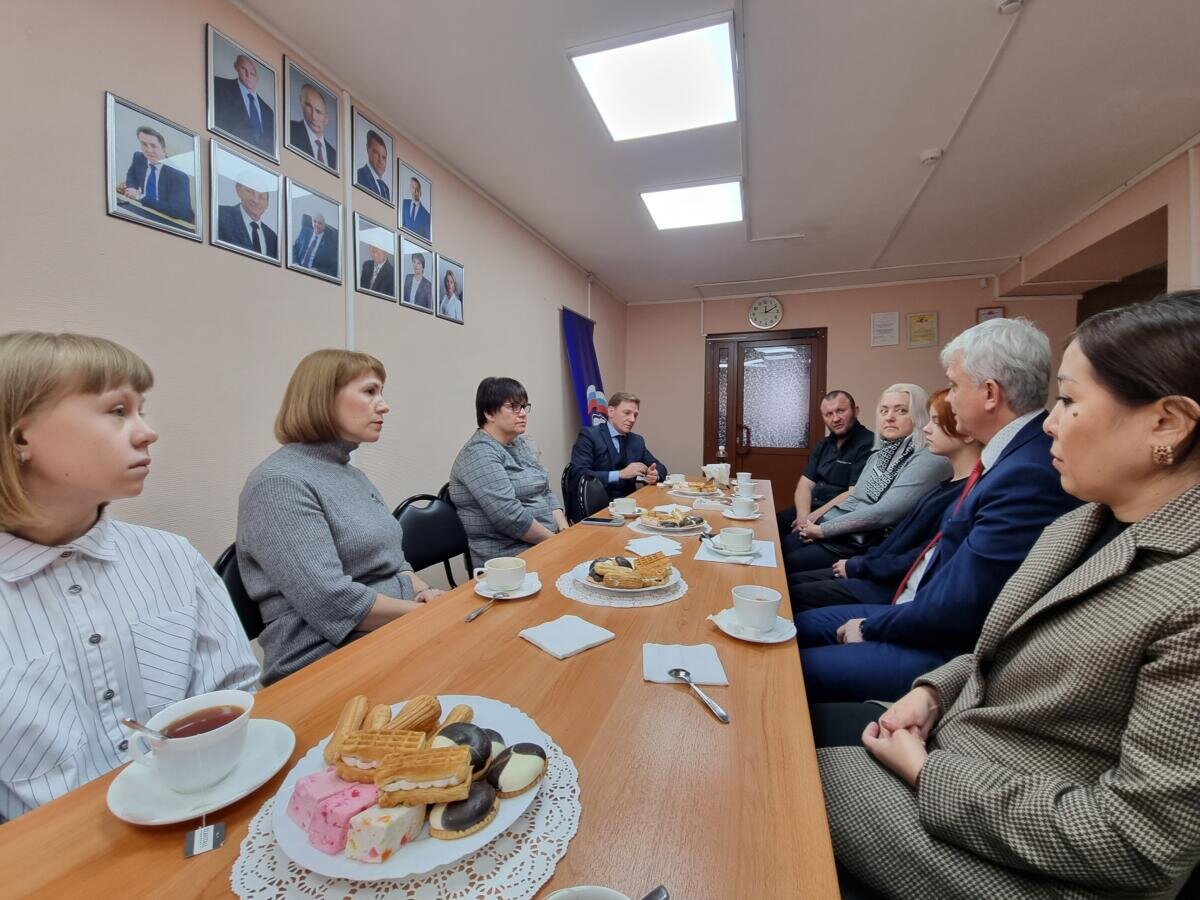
[
  {"x": 433, "y": 533},
  {"x": 247, "y": 609},
  {"x": 592, "y": 495}
]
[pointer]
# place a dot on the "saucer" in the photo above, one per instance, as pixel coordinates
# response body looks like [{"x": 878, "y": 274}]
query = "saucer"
[
  {"x": 136, "y": 795},
  {"x": 640, "y": 511},
  {"x": 730, "y": 514},
  {"x": 531, "y": 586},
  {"x": 741, "y": 497},
  {"x": 586, "y": 892},
  {"x": 715, "y": 544},
  {"x": 784, "y": 630}
]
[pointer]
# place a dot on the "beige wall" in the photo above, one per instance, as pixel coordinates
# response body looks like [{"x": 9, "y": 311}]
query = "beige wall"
[
  {"x": 665, "y": 349},
  {"x": 223, "y": 331}
]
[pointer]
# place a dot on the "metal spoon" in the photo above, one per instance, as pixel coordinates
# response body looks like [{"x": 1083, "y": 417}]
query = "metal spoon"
[
  {"x": 659, "y": 893},
  {"x": 686, "y": 676},
  {"x": 135, "y": 725},
  {"x": 476, "y": 613}
]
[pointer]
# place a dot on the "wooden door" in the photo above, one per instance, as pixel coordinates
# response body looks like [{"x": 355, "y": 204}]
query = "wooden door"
[{"x": 762, "y": 409}]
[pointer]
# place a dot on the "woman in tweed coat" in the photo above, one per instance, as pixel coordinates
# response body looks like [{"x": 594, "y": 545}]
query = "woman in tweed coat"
[{"x": 1062, "y": 757}]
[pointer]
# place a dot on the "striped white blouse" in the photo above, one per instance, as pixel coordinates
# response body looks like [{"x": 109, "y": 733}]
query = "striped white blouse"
[{"x": 116, "y": 624}]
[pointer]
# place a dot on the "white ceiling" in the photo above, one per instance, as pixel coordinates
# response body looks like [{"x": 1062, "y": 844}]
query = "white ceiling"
[{"x": 1041, "y": 114}]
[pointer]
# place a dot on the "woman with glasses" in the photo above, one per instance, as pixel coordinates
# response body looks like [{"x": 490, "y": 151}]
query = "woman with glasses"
[
  {"x": 501, "y": 491},
  {"x": 317, "y": 547}
]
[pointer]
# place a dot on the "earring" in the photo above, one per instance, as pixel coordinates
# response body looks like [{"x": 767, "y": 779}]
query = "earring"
[{"x": 1163, "y": 455}]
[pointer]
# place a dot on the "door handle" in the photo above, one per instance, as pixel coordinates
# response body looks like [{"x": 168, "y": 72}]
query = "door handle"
[
  {"x": 743, "y": 437},
  {"x": 748, "y": 442}
]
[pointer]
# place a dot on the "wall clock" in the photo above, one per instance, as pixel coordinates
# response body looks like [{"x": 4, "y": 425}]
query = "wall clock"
[{"x": 766, "y": 312}]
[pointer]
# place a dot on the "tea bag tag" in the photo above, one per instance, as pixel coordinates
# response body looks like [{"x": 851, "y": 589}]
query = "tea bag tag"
[{"x": 203, "y": 839}]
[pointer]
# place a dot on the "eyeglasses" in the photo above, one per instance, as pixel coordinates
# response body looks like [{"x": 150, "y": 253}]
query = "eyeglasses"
[{"x": 519, "y": 407}]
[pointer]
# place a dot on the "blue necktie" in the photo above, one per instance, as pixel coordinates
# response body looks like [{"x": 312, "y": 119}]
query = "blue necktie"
[
  {"x": 152, "y": 184},
  {"x": 255, "y": 119}
]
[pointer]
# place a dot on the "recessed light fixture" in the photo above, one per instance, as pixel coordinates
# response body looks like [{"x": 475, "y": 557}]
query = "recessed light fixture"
[
  {"x": 705, "y": 204},
  {"x": 663, "y": 81}
]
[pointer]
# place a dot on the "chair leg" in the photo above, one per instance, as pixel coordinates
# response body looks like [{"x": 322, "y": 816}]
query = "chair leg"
[{"x": 449, "y": 573}]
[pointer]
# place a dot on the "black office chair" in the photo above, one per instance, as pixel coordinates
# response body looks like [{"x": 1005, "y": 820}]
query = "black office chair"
[
  {"x": 591, "y": 497},
  {"x": 247, "y": 610},
  {"x": 433, "y": 533}
]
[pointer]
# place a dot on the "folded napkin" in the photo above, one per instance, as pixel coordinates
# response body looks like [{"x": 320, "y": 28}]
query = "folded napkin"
[
  {"x": 764, "y": 555},
  {"x": 710, "y": 504},
  {"x": 671, "y": 507},
  {"x": 699, "y": 659},
  {"x": 647, "y": 545},
  {"x": 566, "y": 636}
]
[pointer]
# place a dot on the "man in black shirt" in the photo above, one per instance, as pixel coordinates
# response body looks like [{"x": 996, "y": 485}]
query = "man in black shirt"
[{"x": 835, "y": 463}]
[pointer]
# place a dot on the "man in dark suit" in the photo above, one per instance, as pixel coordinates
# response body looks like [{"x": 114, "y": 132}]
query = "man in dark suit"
[
  {"x": 418, "y": 290},
  {"x": 378, "y": 274},
  {"x": 371, "y": 175},
  {"x": 153, "y": 183},
  {"x": 999, "y": 371},
  {"x": 612, "y": 453},
  {"x": 316, "y": 247},
  {"x": 239, "y": 110},
  {"x": 415, "y": 216},
  {"x": 308, "y": 134},
  {"x": 241, "y": 223}
]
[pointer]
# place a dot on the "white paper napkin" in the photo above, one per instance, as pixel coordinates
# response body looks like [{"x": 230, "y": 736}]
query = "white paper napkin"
[
  {"x": 709, "y": 504},
  {"x": 647, "y": 545},
  {"x": 765, "y": 555},
  {"x": 672, "y": 507},
  {"x": 566, "y": 636},
  {"x": 699, "y": 659}
]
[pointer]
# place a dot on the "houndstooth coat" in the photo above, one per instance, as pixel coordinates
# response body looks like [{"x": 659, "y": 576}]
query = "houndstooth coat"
[{"x": 1067, "y": 761}]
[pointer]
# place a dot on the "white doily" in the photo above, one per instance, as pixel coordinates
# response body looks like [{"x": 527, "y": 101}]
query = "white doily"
[
  {"x": 569, "y": 587},
  {"x": 514, "y": 865},
  {"x": 637, "y": 526}
]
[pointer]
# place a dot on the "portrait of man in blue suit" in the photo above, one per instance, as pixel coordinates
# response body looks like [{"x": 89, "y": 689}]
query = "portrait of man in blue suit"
[
  {"x": 316, "y": 247},
  {"x": 239, "y": 109},
  {"x": 154, "y": 184},
  {"x": 372, "y": 175},
  {"x": 243, "y": 225},
  {"x": 309, "y": 135},
  {"x": 414, "y": 210}
]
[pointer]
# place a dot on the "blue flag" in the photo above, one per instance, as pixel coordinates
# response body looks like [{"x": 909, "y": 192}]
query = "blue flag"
[{"x": 585, "y": 369}]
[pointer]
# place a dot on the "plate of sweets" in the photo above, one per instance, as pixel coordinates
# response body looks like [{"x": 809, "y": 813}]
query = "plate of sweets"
[
  {"x": 397, "y": 790},
  {"x": 704, "y": 488},
  {"x": 626, "y": 574},
  {"x": 674, "y": 520}
]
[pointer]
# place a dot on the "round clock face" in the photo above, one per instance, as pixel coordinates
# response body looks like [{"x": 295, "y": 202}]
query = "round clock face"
[{"x": 766, "y": 312}]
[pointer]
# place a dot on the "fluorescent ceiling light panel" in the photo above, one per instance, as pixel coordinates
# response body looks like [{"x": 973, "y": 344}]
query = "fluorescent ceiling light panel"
[
  {"x": 673, "y": 83},
  {"x": 707, "y": 204}
]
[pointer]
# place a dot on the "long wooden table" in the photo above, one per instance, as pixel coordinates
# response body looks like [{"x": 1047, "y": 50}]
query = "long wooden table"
[{"x": 669, "y": 794}]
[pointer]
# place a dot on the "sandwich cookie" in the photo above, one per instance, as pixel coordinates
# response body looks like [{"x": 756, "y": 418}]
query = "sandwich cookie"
[
  {"x": 517, "y": 769},
  {"x": 464, "y": 734},
  {"x": 363, "y": 752},
  {"x": 448, "y": 821},
  {"x": 430, "y": 776}
]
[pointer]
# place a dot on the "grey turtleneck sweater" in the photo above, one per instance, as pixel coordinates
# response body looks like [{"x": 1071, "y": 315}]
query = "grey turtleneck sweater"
[{"x": 315, "y": 544}]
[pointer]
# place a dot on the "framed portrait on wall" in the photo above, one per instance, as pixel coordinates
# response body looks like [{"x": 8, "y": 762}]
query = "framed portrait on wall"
[
  {"x": 153, "y": 170},
  {"x": 416, "y": 267},
  {"x": 922, "y": 329},
  {"x": 312, "y": 113},
  {"x": 242, "y": 96},
  {"x": 450, "y": 289},
  {"x": 416, "y": 201},
  {"x": 375, "y": 258},
  {"x": 372, "y": 158},
  {"x": 983, "y": 313},
  {"x": 314, "y": 232},
  {"x": 246, "y": 205}
]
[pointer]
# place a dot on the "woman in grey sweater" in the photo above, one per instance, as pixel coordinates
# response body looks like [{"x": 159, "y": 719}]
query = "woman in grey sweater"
[
  {"x": 501, "y": 491},
  {"x": 898, "y": 474},
  {"x": 317, "y": 546}
]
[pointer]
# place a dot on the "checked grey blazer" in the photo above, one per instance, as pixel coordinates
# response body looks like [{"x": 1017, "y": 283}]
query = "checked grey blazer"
[{"x": 1067, "y": 759}]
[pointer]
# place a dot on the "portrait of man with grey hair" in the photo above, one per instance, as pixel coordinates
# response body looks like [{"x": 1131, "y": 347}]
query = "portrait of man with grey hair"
[
  {"x": 314, "y": 225},
  {"x": 241, "y": 95},
  {"x": 246, "y": 205}
]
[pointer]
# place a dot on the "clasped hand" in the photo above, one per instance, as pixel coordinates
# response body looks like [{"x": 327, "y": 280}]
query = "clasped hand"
[{"x": 897, "y": 740}]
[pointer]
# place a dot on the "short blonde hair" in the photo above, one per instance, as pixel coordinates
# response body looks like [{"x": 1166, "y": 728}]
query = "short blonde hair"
[
  {"x": 38, "y": 369},
  {"x": 918, "y": 409},
  {"x": 623, "y": 397},
  {"x": 306, "y": 415}
]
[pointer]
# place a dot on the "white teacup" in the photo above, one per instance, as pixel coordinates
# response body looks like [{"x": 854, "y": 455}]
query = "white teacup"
[
  {"x": 745, "y": 489},
  {"x": 624, "y": 506},
  {"x": 504, "y": 573},
  {"x": 673, "y": 478},
  {"x": 190, "y": 764},
  {"x": 737, "y": 539},
  {"x": 743, "y": 477},
  {"x": 743, "y": 506},
  {"x": 756, "y": 607}
]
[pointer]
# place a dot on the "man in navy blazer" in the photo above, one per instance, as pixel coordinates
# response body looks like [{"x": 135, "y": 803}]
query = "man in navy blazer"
[
  {"x": 166, "y": 190},
  {"x": 316, "y": 247},
  {"x": 371, "y": 175},
  {"x": 615, "y": 455},
  {"x": 999, "y": 371},
  {"x": 241, "y": 223},
  {"x": 415, "y": 216},
  {"x": 238, "y": 110},
  {"x": 307, "y": 135}
]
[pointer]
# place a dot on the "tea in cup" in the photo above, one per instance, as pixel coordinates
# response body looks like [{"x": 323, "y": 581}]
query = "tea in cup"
[
  {"x": 504, "y": 573},
  {"x": 738, "y": 540},
  {"x": 624, "y": 506},
  {"x": 205, "y": 738},
  {"x": 743, "y": 477},
  {"x": 744, "y": 506},
  {"x": 745, "y": 489},
  {"x": 755, "y": 607}
]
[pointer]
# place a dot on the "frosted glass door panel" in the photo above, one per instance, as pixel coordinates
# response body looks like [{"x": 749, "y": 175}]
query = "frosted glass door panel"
[{"x": 776, "y": 382}]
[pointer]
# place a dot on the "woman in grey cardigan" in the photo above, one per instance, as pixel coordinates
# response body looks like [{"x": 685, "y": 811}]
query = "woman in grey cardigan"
[
  {"x": 501, "y": 491},
  {"x": 317, "y": 546},
  {"x": 1059, "y": 759},
  {"x": 898, "y": 474}
]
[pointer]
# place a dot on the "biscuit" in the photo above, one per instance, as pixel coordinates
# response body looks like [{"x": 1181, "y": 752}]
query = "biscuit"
[
  {"x": 419, "y": 714},
  {"x": 460, "y": 713},
  {"x": 430, "y": 776},
  {"x": 449, "y": 821},
  {"x": 379, "y": 715},
  {"x": 363, "y": 752},
  {"x": 348, "y": 722}
]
